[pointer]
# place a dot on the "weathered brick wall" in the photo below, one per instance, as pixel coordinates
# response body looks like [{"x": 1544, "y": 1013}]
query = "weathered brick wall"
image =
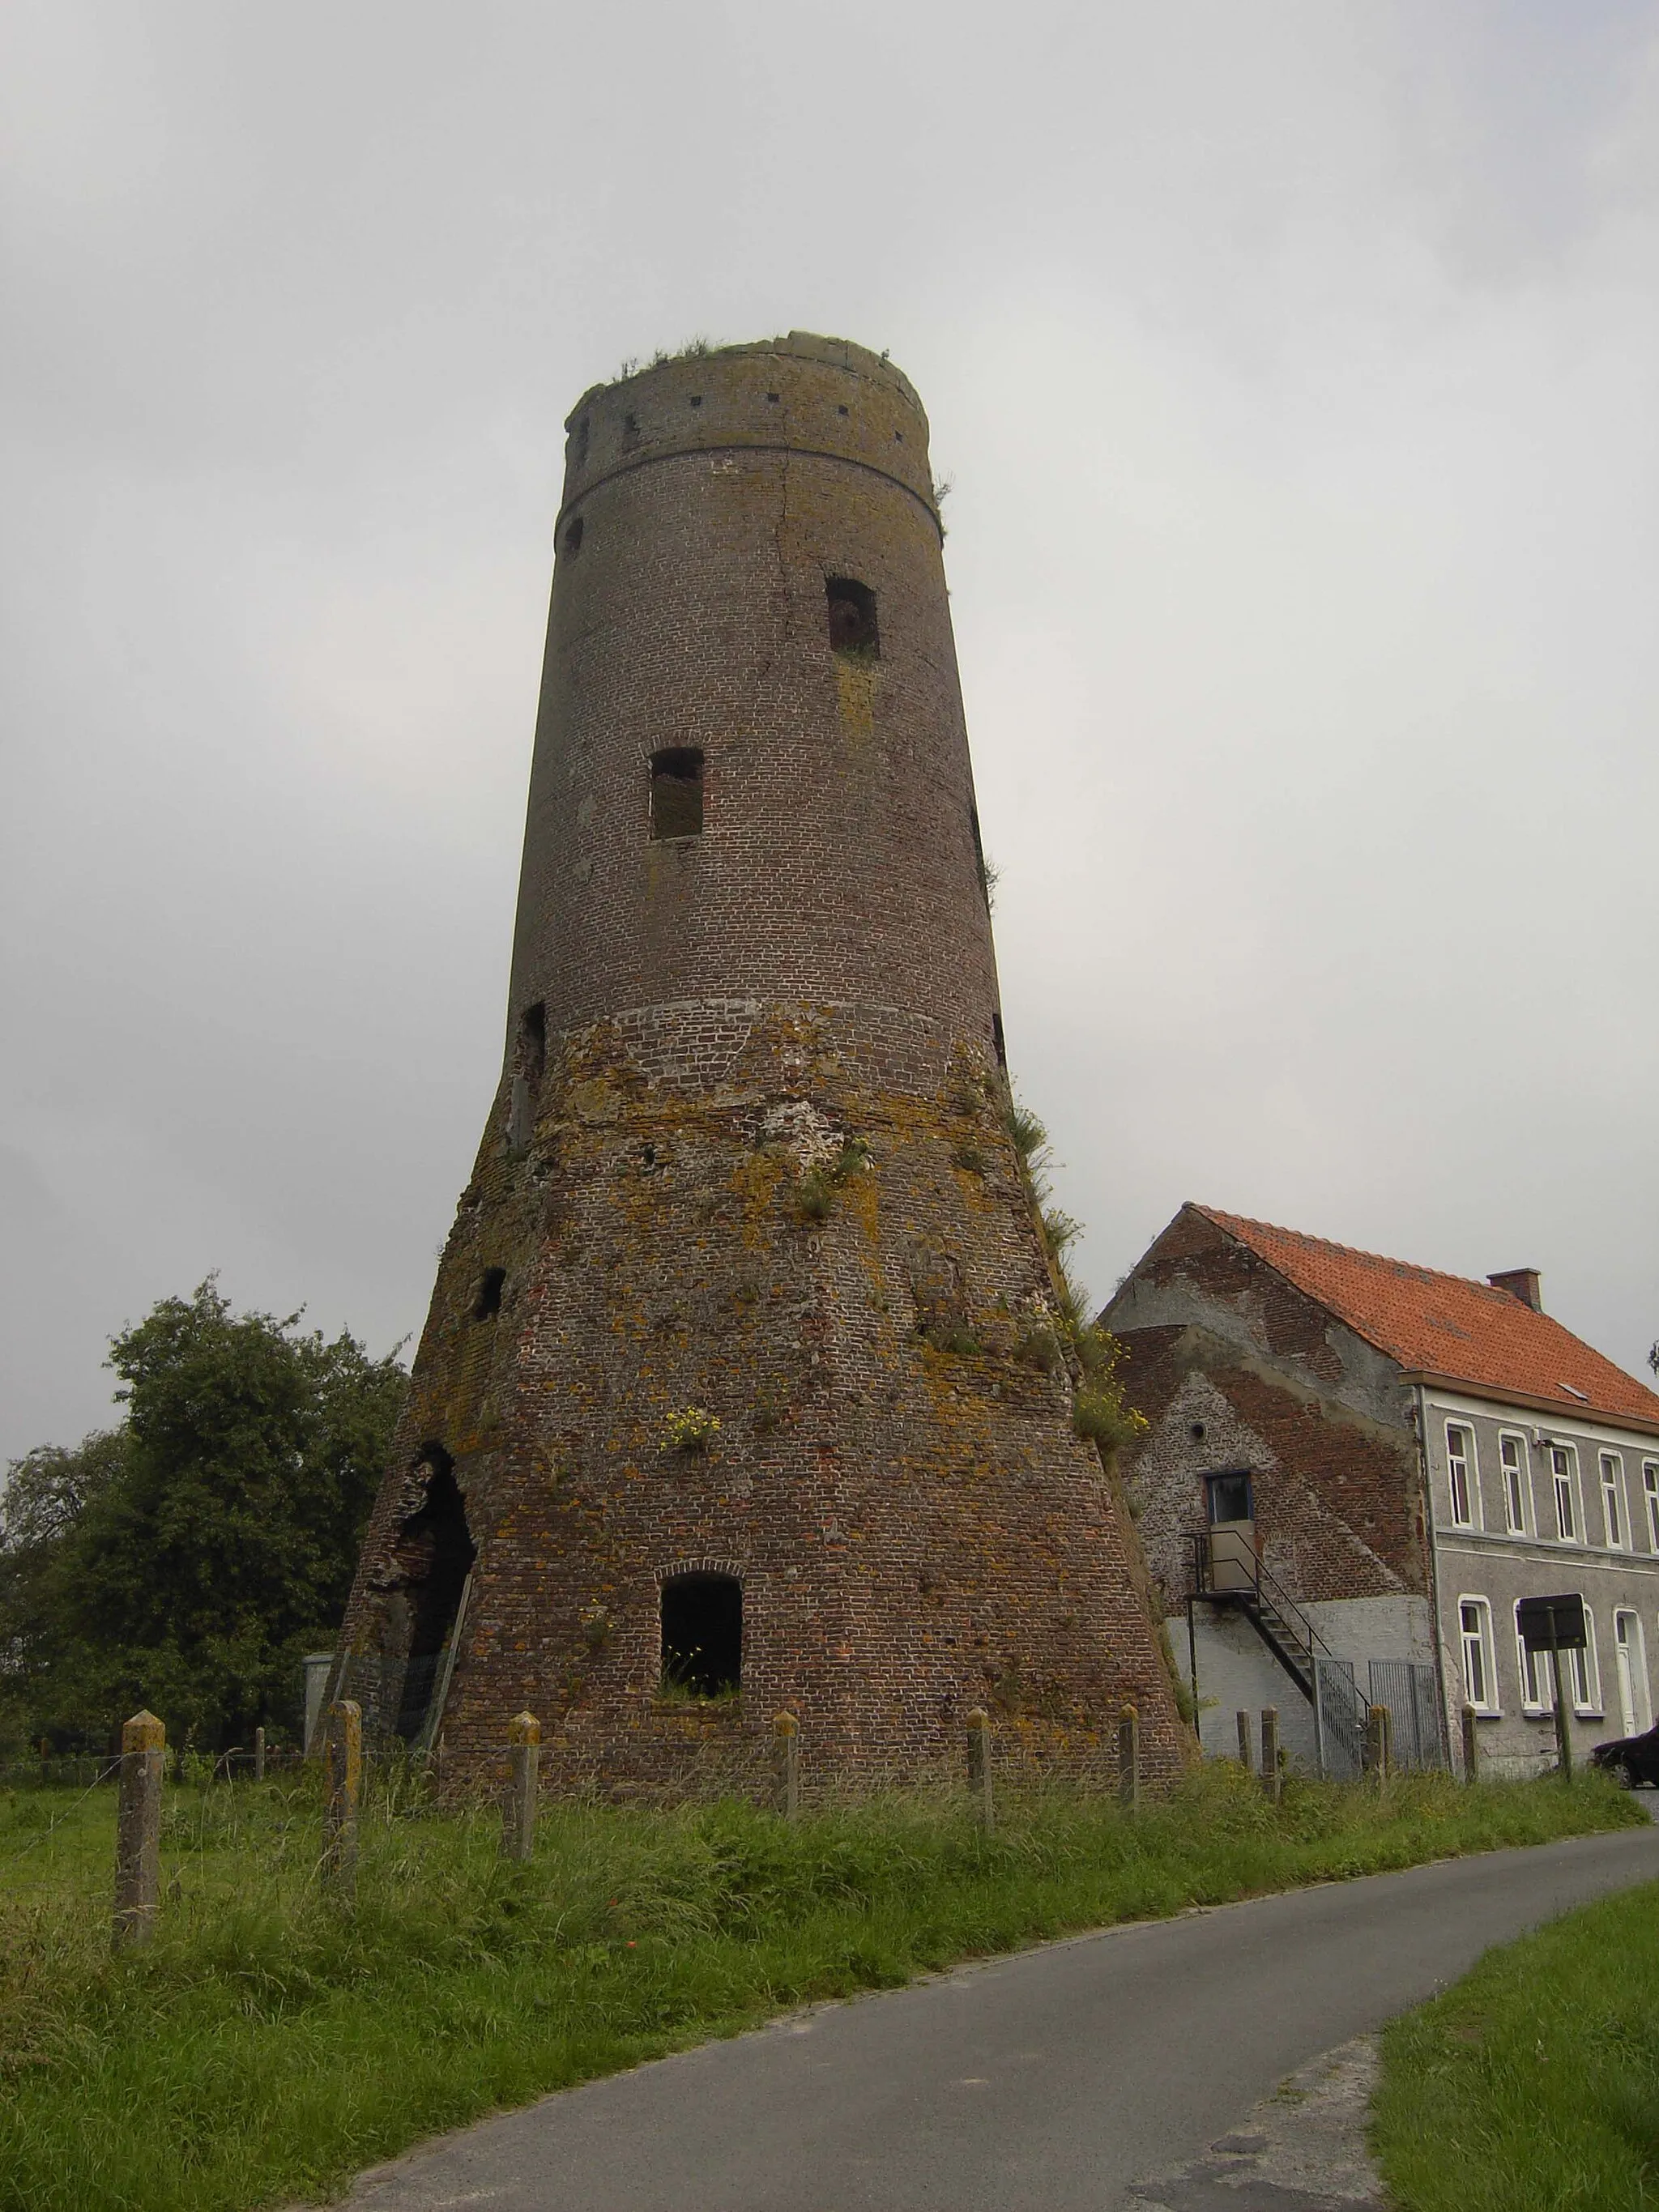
[
  {"x": 915, "y": 1525},
  {"x": 1246, "y": 1371}
]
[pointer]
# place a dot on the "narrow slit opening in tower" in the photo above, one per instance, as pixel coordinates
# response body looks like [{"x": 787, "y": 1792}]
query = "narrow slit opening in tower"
[
  {"x": 434, "y": 1553},
  {"x": 677, "y": 792},
  {"x": 532, "y": 1042},
  {"x": 853, "y": 617},
  {"x": 572, "y": 536},
  {"x": 999, "y": 1043},
  {"x": 489, "y": 1298},
  {"x": 702, "y": 1636},
  {"x": 529, "y": 1059}
]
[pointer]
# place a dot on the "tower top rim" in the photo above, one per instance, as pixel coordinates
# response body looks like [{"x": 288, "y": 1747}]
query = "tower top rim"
[{"x": 802, "y": 345}]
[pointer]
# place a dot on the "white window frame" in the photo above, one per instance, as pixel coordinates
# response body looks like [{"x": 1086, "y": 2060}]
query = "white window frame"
[
  {"x": 1481, "y": 1637},
  {"x": 1537, "y": 1675},
  {"x": 1522, "y": 1474},
  {"x": 1585, "y": 1673},
  {"x": 1469, "y": 1462},
  {"x": 1615, "y": 1520},
  {"x": 1650, "y": 1491},
  {"x": 1574, "y": 1494}
]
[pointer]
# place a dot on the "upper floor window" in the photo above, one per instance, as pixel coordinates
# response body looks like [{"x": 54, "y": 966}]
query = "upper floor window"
[
  {"x": 1612, "y": 1498},
  {"x": 853, "y": 617},
  {"x": 1563, "y": 1482},
  {"x": 1651, "y": 1488},
  {"x": 1463, "y": 1471},
  {"x": 1229, "y": 1498},
  {"x": 677, "y": 792},
  {"x": 1512, "y": 1452},
  {"x": 1474, "y": 1634}
]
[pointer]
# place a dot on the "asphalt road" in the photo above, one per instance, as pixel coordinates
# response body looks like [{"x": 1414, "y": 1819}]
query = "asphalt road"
[{"x": 1048, "y": 2080}]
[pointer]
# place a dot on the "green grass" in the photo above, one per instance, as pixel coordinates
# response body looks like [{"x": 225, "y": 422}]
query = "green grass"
[
  {"x": 1532, "y": 2086},
  {"x": 265, "y": 2045}
]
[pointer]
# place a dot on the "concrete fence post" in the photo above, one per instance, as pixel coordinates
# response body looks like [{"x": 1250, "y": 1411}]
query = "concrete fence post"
[
  {"x": 1244, "y": 1759},
  {"x": 138, "y": 1829},
  {"x": 258, "y": 1754},
  {"x": 979, "y": 1767},
  {"x": 1471, "y": 1745},
  {"x": 1378, "y": 1741},
  {"x": 786, "y": 1749},
  {"x": 1272, "y": 1779},
  {"x": 344, "y": 1763},
  {"x": 523, "y": 1758},
  {"x": 1129, "y": 1760}
]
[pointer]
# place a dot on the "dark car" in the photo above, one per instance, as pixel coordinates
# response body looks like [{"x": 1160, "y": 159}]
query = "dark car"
[{"x": 1633, "y": 1759}]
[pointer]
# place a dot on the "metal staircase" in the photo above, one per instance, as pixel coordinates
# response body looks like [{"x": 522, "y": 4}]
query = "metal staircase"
[{"x": 1227, "y": 1570}]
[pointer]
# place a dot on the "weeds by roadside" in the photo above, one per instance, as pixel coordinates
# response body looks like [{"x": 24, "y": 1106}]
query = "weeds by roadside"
[{"x": 265, "y": 2045}]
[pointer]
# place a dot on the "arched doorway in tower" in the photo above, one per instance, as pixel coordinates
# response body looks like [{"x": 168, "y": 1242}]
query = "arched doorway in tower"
[{"x": 436, "y": 1553}]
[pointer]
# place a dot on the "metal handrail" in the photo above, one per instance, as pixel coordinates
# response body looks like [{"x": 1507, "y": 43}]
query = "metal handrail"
[{"x": 1264, "y": 1585}]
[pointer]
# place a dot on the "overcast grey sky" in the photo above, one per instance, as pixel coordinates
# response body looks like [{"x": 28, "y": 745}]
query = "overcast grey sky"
[{"x": 1296, "y": 368}]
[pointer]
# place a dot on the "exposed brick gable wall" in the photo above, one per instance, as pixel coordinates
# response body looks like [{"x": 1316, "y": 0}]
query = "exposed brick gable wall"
[{"x": 1277, "y": 1388}]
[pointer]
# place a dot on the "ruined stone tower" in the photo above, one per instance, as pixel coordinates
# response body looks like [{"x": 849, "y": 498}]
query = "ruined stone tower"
[{"x": 739, "y": 1389}]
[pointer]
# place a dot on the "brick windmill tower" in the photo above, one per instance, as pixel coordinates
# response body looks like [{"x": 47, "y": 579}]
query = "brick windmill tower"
[{"x": 739, "y": 1389}]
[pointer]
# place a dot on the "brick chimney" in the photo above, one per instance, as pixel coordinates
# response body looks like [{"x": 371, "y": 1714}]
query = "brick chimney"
[{"x": 1521, "y": 1283}]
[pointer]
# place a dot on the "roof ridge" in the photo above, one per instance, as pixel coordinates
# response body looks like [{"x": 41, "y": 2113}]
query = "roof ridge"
[{"x": 1360, "y": 1252}]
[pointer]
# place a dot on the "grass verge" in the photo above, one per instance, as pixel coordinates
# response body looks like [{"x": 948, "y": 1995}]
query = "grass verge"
[
  {"x": 266, "y": 2045},
  {"x": 1533, "y": 2085}
]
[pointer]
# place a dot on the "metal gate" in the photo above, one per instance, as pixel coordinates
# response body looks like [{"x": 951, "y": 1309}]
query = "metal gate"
[
  {"x": 1413, "y": 1697},
  {"x": 1339, "y": 1720}
]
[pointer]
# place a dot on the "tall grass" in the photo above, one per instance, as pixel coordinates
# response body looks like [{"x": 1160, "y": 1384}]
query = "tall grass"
[
  {"x": 1533, "y": 2085},
  {"x": 266, "y": 2044}
]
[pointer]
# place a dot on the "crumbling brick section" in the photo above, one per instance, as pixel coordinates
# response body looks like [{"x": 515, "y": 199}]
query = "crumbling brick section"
[{"x": 760, "y": 1256}]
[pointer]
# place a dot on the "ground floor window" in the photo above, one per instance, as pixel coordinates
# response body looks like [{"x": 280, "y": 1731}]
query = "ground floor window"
[
  {"x": 1537, "y": 1681},
  {"x": 1475, "y": 1633},
  {"x": 702, "y": 1636},
  {"x": 1586, "y": 1675}
]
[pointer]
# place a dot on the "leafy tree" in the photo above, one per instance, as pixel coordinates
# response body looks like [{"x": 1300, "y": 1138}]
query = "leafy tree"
[
  {"x": 188, "y": 1560},
  {"x": 43, "y": 1664}
]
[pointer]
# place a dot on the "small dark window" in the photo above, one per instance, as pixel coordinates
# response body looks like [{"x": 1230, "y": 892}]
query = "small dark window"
[
  {"x": 697, "y": 399},
  {"x": 853, "y": 617},
  {"x": 999, "y": 1043},
  {"x": 631, "y": 435},
  {"x": 771, "y": 398},
  {"x": 898, "y": 437},
  {"x": 489, "y": 1300},
  {"x": 1229, "y": 1497},
  {"x": 572, "y": 535},
  {"x": 840, "y": 410},
  {"x": 702, "y": 1635},
  {"x": 677, "y": 792}
]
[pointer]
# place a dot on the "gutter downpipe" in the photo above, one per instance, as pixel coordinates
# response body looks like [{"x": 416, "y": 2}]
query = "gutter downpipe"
[{"x": 1434, "y": 1564}]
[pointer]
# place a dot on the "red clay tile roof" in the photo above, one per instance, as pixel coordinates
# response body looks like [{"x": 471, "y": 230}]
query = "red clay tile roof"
[{"x": 1444, "y": 1326}]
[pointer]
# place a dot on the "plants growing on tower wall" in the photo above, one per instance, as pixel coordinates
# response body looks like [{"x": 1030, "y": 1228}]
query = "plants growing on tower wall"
[
  {"x": 693, "y": 1428},
  {"x": 1101, "y": 1414}
]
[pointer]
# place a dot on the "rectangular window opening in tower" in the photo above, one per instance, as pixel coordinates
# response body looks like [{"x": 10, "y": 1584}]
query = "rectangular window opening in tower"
[
  {"x": 853, "y": 618},
  {"x": 677, "y": 792}
]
